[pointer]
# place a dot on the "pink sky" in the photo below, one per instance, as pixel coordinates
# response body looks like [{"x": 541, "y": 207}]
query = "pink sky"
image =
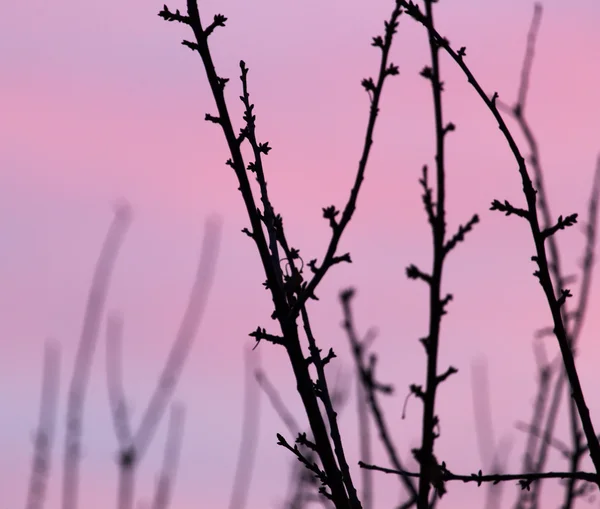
[{"x": 101, "y": 102}]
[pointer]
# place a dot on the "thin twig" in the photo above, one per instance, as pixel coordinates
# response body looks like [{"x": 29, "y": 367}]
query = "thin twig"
[
  {"x": 525, "y": 479},
  {"x": 133, "y": 445},
  {"x": 44, "y": 436},
  {"x": 541, "y": 259},
  {"x": 290, "y": 294},
  {"x": 168, "y": 474},
  {"x": 371, "y": 387},
  {"x": 85, "y": 352},
  {"x": 249, "y": 438}
]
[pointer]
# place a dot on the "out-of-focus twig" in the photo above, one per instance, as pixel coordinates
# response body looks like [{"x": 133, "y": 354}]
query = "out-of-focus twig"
[
  {"x": 85, "y": 352},
  {"x": 133, "y": 445},
  {"x": 185, "y": 336},
  {"x": 44, "y": 436},
  {"x": 573, "y": 321},
  {"x": 168, "y": 474},
  {"x": 249, "y": 435},
  {"x": 493, "y": 456},
  {"x": 366, "y": 371}
]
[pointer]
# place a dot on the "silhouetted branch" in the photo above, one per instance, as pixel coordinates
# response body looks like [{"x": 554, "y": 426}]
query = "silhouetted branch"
[
  {"x": 524, "y": 479},
  {"x": 374, "y": 90},
  {"x": 290, "y": 292},
  {"x": 543, "y": 272},
  {"x": 436, "y": 214},
  {"x": 322, "y": 392},
  {"x": 573, "y": 320},
  {"x": 366, "y": 372}
]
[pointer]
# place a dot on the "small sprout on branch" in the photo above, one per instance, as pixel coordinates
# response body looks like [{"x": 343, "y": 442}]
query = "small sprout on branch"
[
  {"x": 282, "y": 441},
  {"x": 264, "y": 147},
  {"x": 460, "y": 235},
  {"x": 218, "y": 21},
  {"x": 377, "y": 42},
  {"x": 242, "y": 136},
  {"x": 330, "y": 213},
  {"x": 247, "y": 232},
  {"x": 210, "y": 118},
  {"x": 561, "y": 224},
  {"x": 417, "y": 390},
  {"x": 509, "y": 209},
  {"x": 390, "y": 28},
  {"x": 525, "y": 484},
  {"x": 369, "y": 86},
  {"x": 192, "y": 45},
  {"x": 392, "y": 70},
  {"x": 563, "y": 296},
  {"x": 414, "y": 11},
  {"x": 261, "y": 333},
  {"x": 167, "y": 15},
  {"x": 222, "y": 82},
  {"x": 449, "y": 128},
  {"x": 427, "y": 73},
  {"x": 444, "y": 303},
  {"x": 427, "y": 197},
  {"x": 450, "y": 371},
  {"x": 462, "y": 52},
  {"x": 339, "y": 259},
  {"x": 413, "y": 272},
  {"x": 330, "y": 355},
  {"x": 303, "y": 440}
]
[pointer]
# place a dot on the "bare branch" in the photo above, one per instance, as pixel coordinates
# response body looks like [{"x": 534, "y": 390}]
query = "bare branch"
[{"x": 44, "y": 436}]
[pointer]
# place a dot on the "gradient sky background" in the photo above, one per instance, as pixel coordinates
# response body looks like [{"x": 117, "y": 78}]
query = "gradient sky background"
[{"x": 99, "y": 101}]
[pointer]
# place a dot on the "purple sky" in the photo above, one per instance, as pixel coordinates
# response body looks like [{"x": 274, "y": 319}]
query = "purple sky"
[{"x": 100, "y": 102}]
